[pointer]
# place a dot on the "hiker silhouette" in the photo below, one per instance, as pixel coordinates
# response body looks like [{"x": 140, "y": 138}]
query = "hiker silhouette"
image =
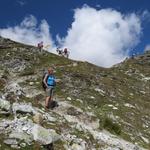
[
  {"x": 40, "y": 46},
  {"x": 66, "y": 52}
]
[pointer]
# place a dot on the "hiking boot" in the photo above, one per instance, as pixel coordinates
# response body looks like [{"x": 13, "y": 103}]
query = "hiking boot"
[{"x": 53, "y": 104}]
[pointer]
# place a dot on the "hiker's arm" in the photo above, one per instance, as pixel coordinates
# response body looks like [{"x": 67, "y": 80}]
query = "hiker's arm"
[
  {"x": 44, "y": 80},
  {"x": 57, "y": 80}
]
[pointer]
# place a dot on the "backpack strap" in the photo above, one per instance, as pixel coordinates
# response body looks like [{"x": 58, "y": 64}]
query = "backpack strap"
[{"x": 45, "y": 79}]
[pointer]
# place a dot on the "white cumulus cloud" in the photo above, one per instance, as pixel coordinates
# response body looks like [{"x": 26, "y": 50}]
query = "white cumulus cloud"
[
  {"x": 29, "y": 32},
  {"x": 147, "y": 48},
  {"x": 103, "y": 37}
]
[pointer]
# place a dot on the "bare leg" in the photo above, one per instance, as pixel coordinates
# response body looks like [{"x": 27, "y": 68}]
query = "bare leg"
[
  {"x": 47, "y": 101},
  {"x": 50, "y": 100}
]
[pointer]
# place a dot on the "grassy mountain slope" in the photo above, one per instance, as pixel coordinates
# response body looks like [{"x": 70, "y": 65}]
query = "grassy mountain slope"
[{"x": 119, "y": 96}]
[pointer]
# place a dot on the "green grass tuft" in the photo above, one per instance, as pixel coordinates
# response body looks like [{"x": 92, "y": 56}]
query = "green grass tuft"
[{"x": 111, "y": 126}]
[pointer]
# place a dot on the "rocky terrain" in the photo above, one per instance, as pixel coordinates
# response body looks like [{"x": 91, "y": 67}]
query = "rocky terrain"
[{"x": 99, "y": 108}]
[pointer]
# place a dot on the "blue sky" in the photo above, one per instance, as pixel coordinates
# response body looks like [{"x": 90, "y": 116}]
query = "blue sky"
[{"x": 59, "y": 14}]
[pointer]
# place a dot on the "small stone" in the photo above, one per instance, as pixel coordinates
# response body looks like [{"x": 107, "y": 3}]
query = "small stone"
[
  {"x": 75, "y": 64},
  {"x": 25, "y": 128},
  {"x": 79, "y": 100},
  {"x": 28, "y": 96},
  {"x": 100, "y": 91},
  {"x": 15, "y": 146},
  {"x": 37, "y": 118},
  {"x": 88, "y": 107},
  {"x": 11, "y": 141},
  {"x": 129, "y": 105},
  {"x": 115, "y": 108},
  {"x": 92, "y": 97},
  {"x": 143, "y": 92},
  {"x": 23, "y": 144},
  {"x": 69, "y": 98},
  {"x": 76, "y": 146},
  {"x": 49, "y": 118},
  {"x": 145, "y": 140},
  {"x": 31, "y": 83},
  {"x": 131, "y": 94}
]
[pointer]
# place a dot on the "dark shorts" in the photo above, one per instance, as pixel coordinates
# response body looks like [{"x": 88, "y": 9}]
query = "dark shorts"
[{"x": 49, "y": 91}]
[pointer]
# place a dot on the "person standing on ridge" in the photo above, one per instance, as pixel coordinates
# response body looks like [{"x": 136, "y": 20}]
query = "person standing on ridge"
[
  {"x": 40, "y": 46},
  {"x": 59, "y": 51},
  {"x": 50, "y": 83},
  {"x": 66, "y": 53}
]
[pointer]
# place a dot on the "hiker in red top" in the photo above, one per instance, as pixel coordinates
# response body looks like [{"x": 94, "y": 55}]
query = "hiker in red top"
[
  {"x": 40, "y": 46},
  {"x": 66, "y": 53}
]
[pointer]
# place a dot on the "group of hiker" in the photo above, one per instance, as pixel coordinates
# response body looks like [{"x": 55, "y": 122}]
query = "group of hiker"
[
  {"x": 40, "y": 46},
  {"x": 62, "y": 52}
]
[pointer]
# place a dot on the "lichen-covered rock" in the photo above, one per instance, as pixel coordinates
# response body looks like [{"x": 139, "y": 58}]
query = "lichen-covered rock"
[
  {"x": 15, "y": 88},
  {"x": 5, "y": 105},
  {"x": 22, "y": 108},
  {"x": 11, "y": 141},
  {"x": 20, "y": 135},
  {"x": 44, "y": 136}
]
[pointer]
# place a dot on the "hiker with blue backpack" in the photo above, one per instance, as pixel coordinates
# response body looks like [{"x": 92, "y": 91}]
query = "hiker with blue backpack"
[{"x": 49, "y": 82}]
